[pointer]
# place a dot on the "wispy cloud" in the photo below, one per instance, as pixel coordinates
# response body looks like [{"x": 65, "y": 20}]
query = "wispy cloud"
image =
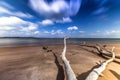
[
  {"x": 112, "y": 32},
  {"x": 46, "y": 22},
  {"x": 64, "y": 20},
  {"x": 21, "y": 14},
  {"x": 15, "y": 26},
  {"x": 51, "y": 33},
  {"x": 4, "y": 10},
  {"x": 54, "y": 32},
  {"x": 81, "y": 32},
  {"x": 11, "y": 21},
  {"x": 4, "y": 4},
  {"x": 56, "y": 9},
  {"x": 72, "y": 28},
  {"x": 101, "y": 7},
  {"x": 105, "y": 34},
  {"x": 100, "y": 11}
]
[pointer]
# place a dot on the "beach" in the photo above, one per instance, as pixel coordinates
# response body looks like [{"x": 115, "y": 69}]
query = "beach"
[{"x": 39, "y": 63}]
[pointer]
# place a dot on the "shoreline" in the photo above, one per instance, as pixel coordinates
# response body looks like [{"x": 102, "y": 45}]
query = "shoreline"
[
  {"x": 33, "y": 45},
  {"x": 15, "y": 46}
]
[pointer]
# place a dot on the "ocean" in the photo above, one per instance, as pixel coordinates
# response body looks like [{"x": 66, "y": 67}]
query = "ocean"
[{"x": 12, "y": 42}]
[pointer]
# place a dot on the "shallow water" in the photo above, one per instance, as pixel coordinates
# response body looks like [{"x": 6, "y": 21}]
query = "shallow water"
[{"x": 7, "y": 42}]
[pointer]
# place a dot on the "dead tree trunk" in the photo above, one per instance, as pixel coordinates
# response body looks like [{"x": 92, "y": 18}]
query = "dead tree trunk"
[
  {"x": 106, "y": 52},
  {"x": 69, "y": 72},
  {"x": 94, "y": 74},
  {"x": 102, "y": 50}
]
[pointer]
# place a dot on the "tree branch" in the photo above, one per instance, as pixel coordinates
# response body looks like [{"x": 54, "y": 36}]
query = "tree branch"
[
  {"x": 94, "y": 74},
  {"x": 69, "y": 72},
  {"x": 102, "y": 50}
]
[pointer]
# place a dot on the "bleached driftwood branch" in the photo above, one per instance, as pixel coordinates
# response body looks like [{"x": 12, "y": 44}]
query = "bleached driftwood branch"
[
  {"x": 102, "y": 50},
  {"x": 69, "y": 72},
  {"x": 106, "y": 52},
  {"x": 94, "y": 74}
]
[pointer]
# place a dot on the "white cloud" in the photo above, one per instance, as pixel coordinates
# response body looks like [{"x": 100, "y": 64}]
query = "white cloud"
[
  {"x": 46, "y": 22},
  {"x": 30, "y": 27},
  {"x": 112, "y": 32},
  {"x": 46, "y": 32},
  {"x": 14, "y": 26},
  {"x": 53, "y": 32},
  {"x": 67, "y": 19},
  {"x": 49, "y": 9},
  {"x": 72, "y": 28},
  {"x": 36, "y": 32},
  {"x": 11, "y": 21},
  {"x": 6, "y": 28},
  {"x": 56, "y": 32},
  {"x": 4, "y": 11},
  {"x": 56, "y": 9},
  {"x": 21, "y": 14},
  {"x": 64, "y": 20},
  {"x": 33, "y": 26},
  {"x": 100, "y": 10},
  {"x": 81, "y": 32},
  {"x": 4, "y": 4},
  {"x": 105, "y": 34}
]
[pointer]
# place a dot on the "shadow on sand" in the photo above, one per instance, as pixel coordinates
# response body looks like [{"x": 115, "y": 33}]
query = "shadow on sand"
[
  {"x": 96, "y": 53},
  {"x": 60, "y": 74},
  {"x": 84, "y": 75},
  {"x": 115, "y": 74}
]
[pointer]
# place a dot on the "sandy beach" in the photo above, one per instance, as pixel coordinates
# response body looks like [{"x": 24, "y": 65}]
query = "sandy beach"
[{"x": 37, "y": 63}]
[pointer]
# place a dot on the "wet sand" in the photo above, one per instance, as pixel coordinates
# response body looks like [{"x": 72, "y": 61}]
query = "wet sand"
[{"x": 36, "y": 63}]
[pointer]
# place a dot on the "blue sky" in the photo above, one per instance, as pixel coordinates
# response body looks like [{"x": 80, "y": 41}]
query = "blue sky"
[{"x": 59, "y": 18}]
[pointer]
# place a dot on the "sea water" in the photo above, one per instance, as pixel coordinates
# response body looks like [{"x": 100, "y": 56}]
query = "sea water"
[{"x": 7, "y": 42}]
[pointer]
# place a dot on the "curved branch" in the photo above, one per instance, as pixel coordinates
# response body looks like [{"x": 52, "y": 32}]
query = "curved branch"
[
  {"x": 102, "y": 51},
  {"x": 106, "y": 52},
  {"x": 69, "y": 72},
  {"x": 94, "y": 74}
]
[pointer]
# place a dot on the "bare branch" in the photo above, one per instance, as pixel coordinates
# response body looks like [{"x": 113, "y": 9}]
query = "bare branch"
[
  {"x": 69, "y": 72},
  {"x": 95, "y": 73},
  {"x": 102, "y": 50}
]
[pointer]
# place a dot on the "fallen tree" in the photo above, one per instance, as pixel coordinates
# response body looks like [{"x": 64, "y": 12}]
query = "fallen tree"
[
  {"x": 69, "y": 72},
  {"x": 102, "y": 50},
  {"x": 94, "y": 74}
]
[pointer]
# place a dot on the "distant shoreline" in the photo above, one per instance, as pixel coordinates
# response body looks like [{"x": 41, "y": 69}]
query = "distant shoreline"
[
  {"x": 55, "y": 38},
  {"x": 16, "y": 42}
]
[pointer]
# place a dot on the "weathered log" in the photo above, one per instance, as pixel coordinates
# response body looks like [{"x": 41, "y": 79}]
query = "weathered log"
[
  {"x": 94, "y": 74},
  {"x": 69, "y": 72},
  {"x": 102, "y": 50},
  {"x": 106, "y": 52}
]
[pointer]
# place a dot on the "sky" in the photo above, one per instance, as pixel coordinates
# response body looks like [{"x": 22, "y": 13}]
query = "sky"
[{"x": 59, "y": 18}]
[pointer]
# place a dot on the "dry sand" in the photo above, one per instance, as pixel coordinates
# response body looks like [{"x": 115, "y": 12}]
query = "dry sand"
[{"x": 36, "y": 63}]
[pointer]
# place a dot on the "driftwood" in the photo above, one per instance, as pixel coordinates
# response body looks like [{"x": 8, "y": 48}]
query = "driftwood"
[
  {"x": 69, "y": 72},
  {"x": 102, "y": 50},
  {"x": 94, "y": 74}
]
